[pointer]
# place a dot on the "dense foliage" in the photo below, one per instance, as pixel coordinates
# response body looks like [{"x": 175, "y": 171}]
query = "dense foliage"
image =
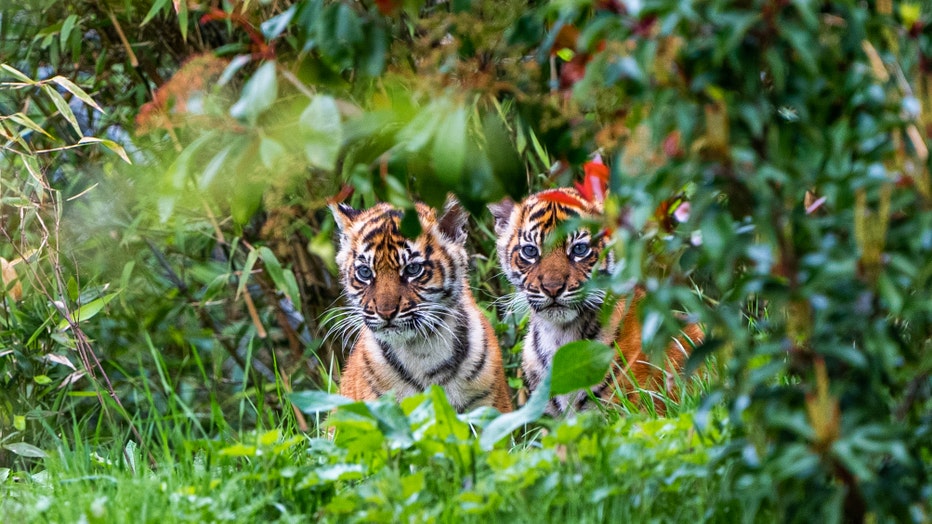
[{"x": 168, "y": 258}]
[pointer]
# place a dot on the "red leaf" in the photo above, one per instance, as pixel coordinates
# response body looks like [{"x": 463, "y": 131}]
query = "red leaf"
[
  {"x": 595, "y": 181},
  {"x": 560, "y": 196},
  {"x": 387, "y": 7},
  {"x": 671, "y": 145},
  {"x": 344, "y": 193}
]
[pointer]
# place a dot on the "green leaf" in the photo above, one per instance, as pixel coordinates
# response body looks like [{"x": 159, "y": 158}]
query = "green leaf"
[
  {"x": 16, "y": 73},
  {"x": 275, "y": 271},
  {"x": 25, "y": 121},
  {"x": 238, "y": 450},
  {"x": 109, "y": 144},
  {"x": 72, "y": 88},
  {"x": 271, "y": 151},
  {"x": 449, "y": 151},
  {"x": 25, "y": 450},
  {"x": 312, "y": 402},
  {"x": 410, "y": 224},
  {"x": 66, "y": 28},
  {"x": 322, "y": 131},
  {"x": 62, "y": 107},
  {"x": 42, "y": 380},
  {"x": 259, "y": 93},
  {"x": 213, "y": 167},
  {"x": 87, "y": 311},
  {"x": 156, "y": 7},
  {"x": 502, "y": 426},
  {"x": 247, "y": 270},
  {"x": 274, "y": 26},
  {"x": 580, "y": 364}
]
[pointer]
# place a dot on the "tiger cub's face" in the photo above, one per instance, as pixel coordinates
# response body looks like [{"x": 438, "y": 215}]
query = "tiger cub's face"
[
  {"x": 550, "y": 272},
  {"x": 401, "y": 288}
]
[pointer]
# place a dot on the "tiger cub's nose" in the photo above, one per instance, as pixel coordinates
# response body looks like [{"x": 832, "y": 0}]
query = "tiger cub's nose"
[{"x": 552, "y": 287}]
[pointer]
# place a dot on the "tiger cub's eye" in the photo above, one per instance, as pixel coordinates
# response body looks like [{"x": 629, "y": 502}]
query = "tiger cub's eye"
[
  {"x": 530, "y": 251},
  {"x": 364, "y": 272},
  {"x": 581, "y": 249},
  {"x": 413, "y": 269}
]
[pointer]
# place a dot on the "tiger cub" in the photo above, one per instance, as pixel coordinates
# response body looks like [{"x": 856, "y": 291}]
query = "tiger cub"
[
  {"x": 419, "y": 324},
  {"x": 563, "y": 309}
]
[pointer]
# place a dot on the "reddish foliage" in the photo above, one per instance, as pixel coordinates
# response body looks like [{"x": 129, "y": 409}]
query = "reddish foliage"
[
  {"x": 171, "y": 99},
  {"x": 671, "y": 145},
  {"x": 562, "y": 197},
  {"x": 595, "y": 181},
  {"x": 345, "y": 192},
  {"x": 387, "y": 7},
  {"x": 260, "y": 49}
]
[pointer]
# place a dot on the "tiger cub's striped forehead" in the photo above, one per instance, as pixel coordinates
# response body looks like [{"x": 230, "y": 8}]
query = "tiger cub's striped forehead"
[
  {"x": 378, "y": 241},
  {"x": 542, "y": 213},
  {"x": 373, "y": 237}
]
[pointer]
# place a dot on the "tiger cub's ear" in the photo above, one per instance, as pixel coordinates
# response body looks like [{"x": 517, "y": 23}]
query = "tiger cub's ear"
[
  {"x": 344, "y": 215},
  {"x": 452, "y": 223},
  {"x": 501, "y": 211}
]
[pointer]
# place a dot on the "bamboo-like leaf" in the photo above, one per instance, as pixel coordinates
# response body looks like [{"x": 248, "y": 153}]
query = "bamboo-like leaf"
[
  {"x": 72, "y": 88},
  {"x": 87, "y": 311},
  {"x": 25, "y": 121},
  {"x": 62, "y": 107},
  {"x": 66, "y": 28},
  {"x": 109, "y": 144},
  {"x": 19, "y": 75}
]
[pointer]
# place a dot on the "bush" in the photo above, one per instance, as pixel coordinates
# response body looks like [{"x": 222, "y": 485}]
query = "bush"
[{"x": 769, "y": 175}]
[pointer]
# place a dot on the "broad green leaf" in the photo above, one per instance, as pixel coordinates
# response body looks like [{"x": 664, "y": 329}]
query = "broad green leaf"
[
  {"x": 62, "y": 107},
  {"x": 283, "y": 278},
  {"x": 25, "y": 450},
  {"x": 72, "y": 88},
  {"x": 311, "y": 402},
  {"x": 322, "y": 131},
  {"x": 213, "y": 167},
  {"x": 270, "y": 437},
  {"x": 87, "y": 311},
  {"x": 42, "y": 380},
  {"x": 271, "y": 151},
  {"x": 580, "y": 364},
  {"x": 274, "y": 26},
  {"x": 238, "y": 450},
  {"x": 19, "y": 422},
  {"x": 66, "y": 28},
  {"x": 259, "y": 93},
  {"x": 332, "y": 473},
  {"x": 392, "y": 422},
  {"x": 502, "y": 426}
]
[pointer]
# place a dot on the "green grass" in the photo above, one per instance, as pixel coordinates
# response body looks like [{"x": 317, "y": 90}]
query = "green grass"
[{"x": 414, "y": 461}]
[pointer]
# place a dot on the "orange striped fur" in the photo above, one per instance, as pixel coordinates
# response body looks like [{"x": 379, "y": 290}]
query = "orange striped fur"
[
  {"x": 552, "y": 278},
  {"x": 418, "y": 322}
]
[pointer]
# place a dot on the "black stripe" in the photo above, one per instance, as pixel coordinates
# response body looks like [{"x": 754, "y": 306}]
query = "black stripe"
[
  {"x": 592, "y": 327},
  {"x": 555, "y": 405},
  {"x": 533, "y": 379},
  {"x": 481, "y": 364},
  {"x": 367, "y": 373},
  {"x": 392, "y": 358},
  {"x": 482, "y": 395},
  {"x": 541, "y": 359},
  {"x": 449, "y": 367},
  {"x": 538, "y": 214}
]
